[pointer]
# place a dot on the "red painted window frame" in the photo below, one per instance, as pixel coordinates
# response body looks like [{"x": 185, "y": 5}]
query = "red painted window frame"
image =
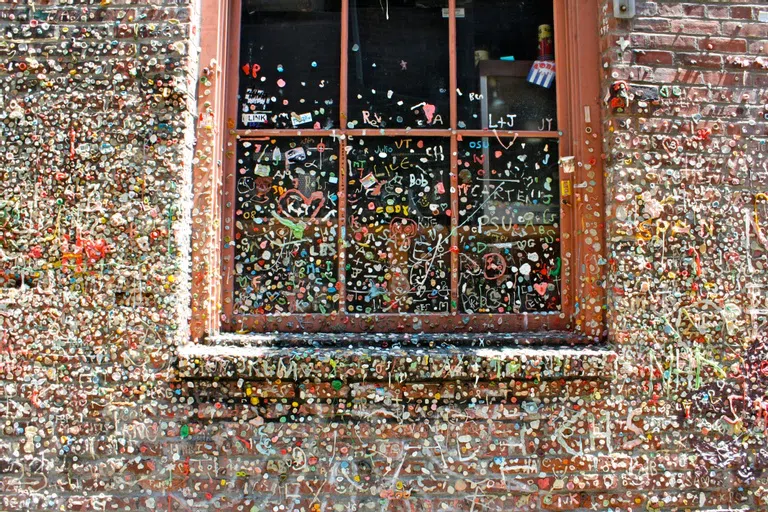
[{"x": 581, "y": 213}]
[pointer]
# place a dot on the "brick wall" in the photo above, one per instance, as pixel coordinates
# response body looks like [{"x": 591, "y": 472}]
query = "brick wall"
[
  {"x": 96, "y": 130},
  {"x": 97, "y": 108},
  {"x": 687, "y": 162}
]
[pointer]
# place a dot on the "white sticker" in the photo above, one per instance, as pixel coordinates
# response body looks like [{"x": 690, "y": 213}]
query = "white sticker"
[
  {"x": 297, "y": 119},
  {"x": 369, "y": 181},
  {"x": 261, "y": 170},
  {"x": 459, "y": 12},
  {"x": 254, "y": 118}
]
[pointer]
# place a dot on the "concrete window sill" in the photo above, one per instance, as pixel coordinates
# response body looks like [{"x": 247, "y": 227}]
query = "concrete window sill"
[{"x": 401, "y": 358}]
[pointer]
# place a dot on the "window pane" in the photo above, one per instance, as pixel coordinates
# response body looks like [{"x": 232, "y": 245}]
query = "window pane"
[
  {"x": 496, "y": 91},
  {"x": 289, "y": 64},
  {"x": 398, "y": 64},
  {"x": 398, "y": 225},
  {"x": 286, "y": 226},
  {"x": 509, "y": 213}
]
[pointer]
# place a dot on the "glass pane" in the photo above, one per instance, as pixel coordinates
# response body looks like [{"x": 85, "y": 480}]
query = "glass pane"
[
  {"x": 398, "y": 225},
  {"x": 289, "y": 64},
  {"x": 398, "y": 64},
  {"x": 286, "y": 226},
  {"x": 505, "y": 60},
  {"x": 509, "y": 213}
]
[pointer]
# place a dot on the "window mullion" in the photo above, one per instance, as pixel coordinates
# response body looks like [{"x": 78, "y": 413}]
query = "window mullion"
[
  {"x": 452, "y": 63},
  {"x": 453, "y": 85},
  {"x": 343, "y": 86},
  {"x": 454, "y": 224},
  {"x": 341, "y": 283}
]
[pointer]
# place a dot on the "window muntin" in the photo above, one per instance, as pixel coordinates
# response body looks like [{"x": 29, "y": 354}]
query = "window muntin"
[{"x": 434, "y": 297}]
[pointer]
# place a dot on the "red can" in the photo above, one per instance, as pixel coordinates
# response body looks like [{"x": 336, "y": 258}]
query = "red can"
[{"x": 546, "y": 44}]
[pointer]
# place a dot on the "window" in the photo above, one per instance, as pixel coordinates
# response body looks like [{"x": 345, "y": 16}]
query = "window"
[{"x": 403, "y": 165}]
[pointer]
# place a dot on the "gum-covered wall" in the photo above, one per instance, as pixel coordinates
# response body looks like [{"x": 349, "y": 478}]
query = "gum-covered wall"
[{"x": 101, "y": 103}]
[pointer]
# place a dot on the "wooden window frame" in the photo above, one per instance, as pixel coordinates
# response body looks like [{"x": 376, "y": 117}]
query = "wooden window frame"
[{"x": 582, "y": 224}]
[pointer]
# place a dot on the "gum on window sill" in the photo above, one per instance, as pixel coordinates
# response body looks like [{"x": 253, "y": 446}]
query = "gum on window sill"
[{"x": 401, "y": 358}]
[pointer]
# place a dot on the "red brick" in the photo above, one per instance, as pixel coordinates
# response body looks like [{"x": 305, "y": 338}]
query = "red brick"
[
  {"x": 742, "y": 12},
  {"x": 758, "y": 47},
  {"x": 428, "y": 390},
  {"x": 561, "y": 464},
  {"x": 661, "y": 41},
  {"x": 757, "y": 80},
  {"x": 653, "y": 24},
  {"x": 718, "y": 12},
  {"x": 723, "y": 79},
  {"x": 700, "y": 60},
  {"x": 647, "y": 9},
  {"x": 722, "y": 44},
  {"x": 734, "y": 28},
  {"x": 695, "y": 27},
  {"x": 565, "y": 501},
  {"x": 323, "y": 390},
  {"x": 306, "y": 410},
  {"x": 671, "y": 9},
  {"x": 632, "y": 73},
  {"x": 653, "y": 57},
  {"x": 693, "y": 10},
  {"x": 270, "y": 389},
  {"x": 669, "y": 76},
  {"x": 375, "y": 392}
]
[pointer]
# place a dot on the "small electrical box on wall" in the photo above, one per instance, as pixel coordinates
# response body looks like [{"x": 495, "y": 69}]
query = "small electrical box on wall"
[{"x": 624, "y": 8}]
